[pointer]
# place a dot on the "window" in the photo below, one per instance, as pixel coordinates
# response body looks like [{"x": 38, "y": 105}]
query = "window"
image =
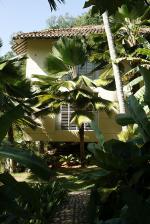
[
  {"x": 63, "y": 119},
  {"x": 87, "y": 68}
]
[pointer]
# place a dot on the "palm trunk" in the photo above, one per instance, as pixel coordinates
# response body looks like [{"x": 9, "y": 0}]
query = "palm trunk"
[
  {"x": 113, "y": 55},
  {"x": 11, "y": 135},
  {"x": 74, "y": 72},
  {"x": 82, "y": 151},
  {"x": 11, "y": 164},
  {"x": 41, "y": 147}
]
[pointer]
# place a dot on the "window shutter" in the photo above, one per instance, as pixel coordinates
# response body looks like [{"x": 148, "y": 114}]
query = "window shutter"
[{"x": 65, "y": 115}]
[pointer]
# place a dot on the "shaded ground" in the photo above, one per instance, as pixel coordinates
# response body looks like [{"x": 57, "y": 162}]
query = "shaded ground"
[
  {"x": 69, "y": 178},
  {"x": 73, "y": 210}
]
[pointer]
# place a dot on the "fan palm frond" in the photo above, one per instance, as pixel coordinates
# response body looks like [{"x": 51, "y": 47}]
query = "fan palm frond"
[{"x": 53, "y": 4}]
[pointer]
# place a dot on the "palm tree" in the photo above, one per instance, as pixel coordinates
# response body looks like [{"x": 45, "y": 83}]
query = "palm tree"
[
  {"x": 15, "y": 91},
  {"x": 111, "y": 7},
  {"x": 63, "y": 85},
  {"x": 113, "y": 55}
]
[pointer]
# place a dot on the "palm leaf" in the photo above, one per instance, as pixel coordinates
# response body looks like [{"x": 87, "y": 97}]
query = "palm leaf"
[
  {"x": 56, "y": 66},
  {"x": 126, "y": 77},
  {"x": 53, "y": 4},
  {"x": 81, "y": 117},
  {"x": 142, "y": 51},
  {"x": 70, "y": 50},
  {"x": 133, "y": 60},
  {"x": 131, "y": 84},
  {"x": 140, "y": 94},
  {"x": 8, "y": 118},
  {"x": 106, "y": 76}
]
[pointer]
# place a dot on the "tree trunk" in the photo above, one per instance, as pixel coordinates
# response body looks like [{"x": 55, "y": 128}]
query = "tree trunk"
[
  {"x": 113, "y": 55},
  {"x": 41, "y": 147},
  {"x": 11, "y": 135},
  {"x": 82, "y": 151},
  {"x": 11, "y": 164}
]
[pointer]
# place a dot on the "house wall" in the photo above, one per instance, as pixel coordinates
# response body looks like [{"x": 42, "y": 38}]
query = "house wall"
[
  {"x": 49, "y": 132},
  {"x": 37, "y": 52}
]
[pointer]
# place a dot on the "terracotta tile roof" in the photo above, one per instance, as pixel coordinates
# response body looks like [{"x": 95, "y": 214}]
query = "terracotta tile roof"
[
  {"x": 20, "y": 39},
  {"x": 67, "y": 32}
]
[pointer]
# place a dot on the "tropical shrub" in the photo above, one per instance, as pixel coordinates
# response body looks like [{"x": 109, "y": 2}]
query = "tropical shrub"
[
  {"x": 51, "y": 195},
  {"x": 19, "y": 201},
  {"x": 23, "y": 203},
  {"x": 122, "y": 184},
  {"x": 121, "y": 194},
  {"x": 69, "y": 160},
  {"x": 64, "y": 85}
]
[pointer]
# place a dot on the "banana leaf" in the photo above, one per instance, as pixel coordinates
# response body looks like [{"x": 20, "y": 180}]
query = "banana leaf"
[
  {"x": 27, "y": 159},
  {"x": 22, "y": 190},
  {"x": 146, "y": 76},
  {"x": 124, "y": 119},
  {"x": 140, "y": 117}
]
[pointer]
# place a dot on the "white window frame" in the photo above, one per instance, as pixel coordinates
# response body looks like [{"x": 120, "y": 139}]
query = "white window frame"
[{"x": 70, "y": 126}]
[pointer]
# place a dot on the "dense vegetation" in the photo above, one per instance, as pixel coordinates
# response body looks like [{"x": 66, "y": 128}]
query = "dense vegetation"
[{"x": 121, "y": 193}]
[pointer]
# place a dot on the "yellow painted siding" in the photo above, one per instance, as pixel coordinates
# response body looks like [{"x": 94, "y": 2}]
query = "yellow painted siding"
[
  {"x": 48, "y": 132},
  {"x": 37, "y": 52}
]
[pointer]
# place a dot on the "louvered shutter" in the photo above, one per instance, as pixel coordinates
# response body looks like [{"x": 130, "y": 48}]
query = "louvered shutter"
[{"x": 65, "y": 115}]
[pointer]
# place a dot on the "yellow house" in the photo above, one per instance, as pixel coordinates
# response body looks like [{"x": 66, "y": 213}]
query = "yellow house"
[{"x": 57, "y": 128}]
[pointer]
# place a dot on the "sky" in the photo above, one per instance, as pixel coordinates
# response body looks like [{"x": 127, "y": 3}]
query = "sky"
[{"x": 30, "y": 15}]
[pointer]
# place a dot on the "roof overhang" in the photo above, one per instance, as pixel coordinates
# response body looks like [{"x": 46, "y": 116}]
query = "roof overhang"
[{"x": 20, "y": 39}]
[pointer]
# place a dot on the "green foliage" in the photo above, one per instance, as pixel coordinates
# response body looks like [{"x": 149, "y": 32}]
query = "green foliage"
[
  {"x": 121, "y": 181},
  {"x": 78, "y": 92},
  {"x": 88, "y": 19},
  {"x": 65, "y": 21},
  {"x": 146, "y": 77},
  {"x": 112, "y": 7},
  {"x": 67, "y": 50},
  {"x": 27, "y": 159},
  {"x": 124, "y": 177},
  {"x": 68, "y": 21},
  {"x": 11, "y": 191},
  {"x": 8, "y": 118},
  {"x": 130, "y": 133},
  {"x": 126, "y": 25},
  {"x": 19, "y": 202},
  {"x": 69, "y": 160},
  {"x": 23, "y": 203},
  {"x": 136, "y": 115},
  {"x": 50, "y": 195},
  {"x": 124, "y": 119},
  {"x": 15, "y": 96}
]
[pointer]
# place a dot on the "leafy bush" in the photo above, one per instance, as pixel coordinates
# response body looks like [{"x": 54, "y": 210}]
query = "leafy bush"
[
  {"x": 51, "y": 160},
  {"x": 122, "y": 185},
  {"x": 69, "y": 160},
  {"x": 50, "y": 197},
  {"x": 23, "y": 203}
]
